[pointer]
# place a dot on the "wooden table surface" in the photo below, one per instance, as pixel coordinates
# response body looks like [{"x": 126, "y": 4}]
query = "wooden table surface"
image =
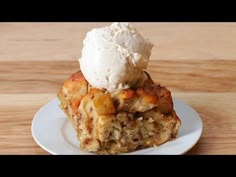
[{"x": 196, "y": 61}]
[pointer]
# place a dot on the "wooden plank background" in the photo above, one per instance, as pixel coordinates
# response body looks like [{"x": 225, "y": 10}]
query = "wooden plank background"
[{"x": 196, "y": 61}]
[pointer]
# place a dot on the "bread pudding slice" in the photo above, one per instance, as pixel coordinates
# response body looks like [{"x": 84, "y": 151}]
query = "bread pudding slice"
[{"x": 120, "y": 121}]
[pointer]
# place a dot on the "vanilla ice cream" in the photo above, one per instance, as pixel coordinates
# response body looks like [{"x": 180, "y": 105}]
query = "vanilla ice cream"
[{"x": 114, "y": 57}]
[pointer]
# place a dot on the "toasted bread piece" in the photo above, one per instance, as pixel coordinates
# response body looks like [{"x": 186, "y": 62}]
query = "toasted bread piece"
[{"x": 120, "y": 121}]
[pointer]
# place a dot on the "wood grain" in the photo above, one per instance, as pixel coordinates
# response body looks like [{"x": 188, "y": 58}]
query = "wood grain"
[
  {"x": 16, "y": 114},
  {"x": 196, "y": 61},
  {"x": 63, "y": 41},
  {"x": 217, "y": 111},
  {"x": 178, "y": 76}
]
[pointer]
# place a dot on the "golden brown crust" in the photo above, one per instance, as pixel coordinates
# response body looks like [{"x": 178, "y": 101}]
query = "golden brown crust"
[
  {"x": 71, "y": 94},
  {"x": 121, "y": 121}
]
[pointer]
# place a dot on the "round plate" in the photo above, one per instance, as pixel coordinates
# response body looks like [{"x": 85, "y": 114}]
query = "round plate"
[{"x": 55, "y": 134}]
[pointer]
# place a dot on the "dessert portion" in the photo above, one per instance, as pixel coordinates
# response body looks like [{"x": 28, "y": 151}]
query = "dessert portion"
[
  {"x": 113, "y": 104},
  {"x": 119, "y": 121}
]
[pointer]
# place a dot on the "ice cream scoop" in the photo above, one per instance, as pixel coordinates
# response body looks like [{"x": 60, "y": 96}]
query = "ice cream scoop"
[{"x": 114, "y": 57}]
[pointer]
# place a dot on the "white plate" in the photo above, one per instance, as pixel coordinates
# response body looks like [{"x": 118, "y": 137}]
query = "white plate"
[{"x": 54, "y": 133}]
